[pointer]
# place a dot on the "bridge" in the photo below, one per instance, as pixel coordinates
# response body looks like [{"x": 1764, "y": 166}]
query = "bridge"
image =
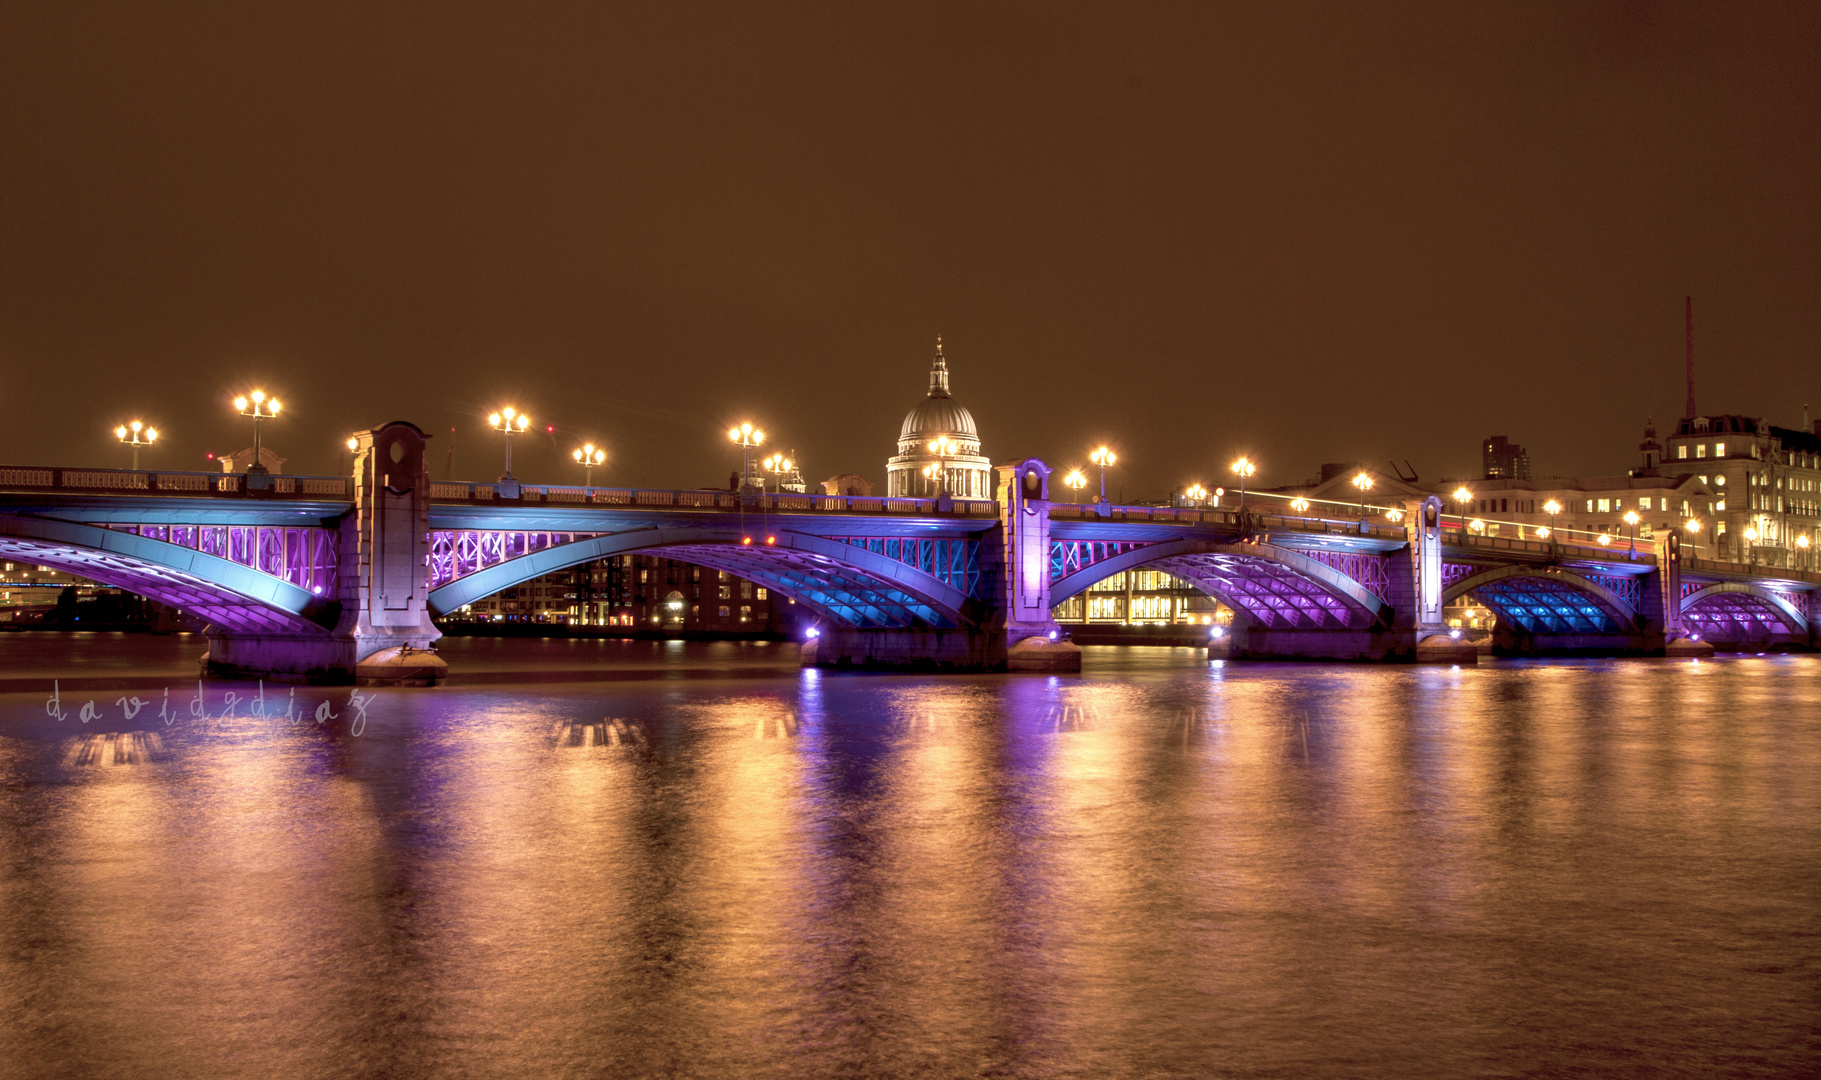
[{"x": 337, "y": 579}]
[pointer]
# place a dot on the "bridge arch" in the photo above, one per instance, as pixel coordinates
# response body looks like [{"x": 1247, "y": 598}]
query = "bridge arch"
[
  {"x": 844, "y": 583},
  {"x": 230, "y": 596},
  {"x": 1547, "y": 600},
  {"x": 1264, "y": 584},
  {"x": 1751, "y": 610}
]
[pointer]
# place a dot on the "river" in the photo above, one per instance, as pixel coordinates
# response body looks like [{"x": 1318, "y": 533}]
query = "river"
[{"x": 629, "y": 859}]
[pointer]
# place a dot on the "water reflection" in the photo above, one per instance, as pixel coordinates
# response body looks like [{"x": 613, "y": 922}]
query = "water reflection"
[{"x": 1160, "y": 868}]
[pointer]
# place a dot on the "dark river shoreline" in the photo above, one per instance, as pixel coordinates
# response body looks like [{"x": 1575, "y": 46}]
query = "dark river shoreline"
[{"x": 707, "y": 862}]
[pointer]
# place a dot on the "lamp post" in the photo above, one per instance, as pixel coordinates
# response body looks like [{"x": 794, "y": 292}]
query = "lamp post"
[
  {"x": 509, "y": 422},
  {"x": 1463, "y": 496},
  {"x": 257, "y": 406},
  {"x": 1104, "y": 458},
  {"x": 1196, "y": 493},
  {"x": 746, "y": 437},
  {"x": 1075, "y": 481},
  {"x": 1552, "y": 508},
  {"x": 1300, "y": 505},
  {"x": 1243, "y": 468},
  {"x": 778, "y": 465},
  {"x": 1693, "y": 526},
  {"x": 1751, "y": 547},
  {"x": 1631, "y": 542},
  {"x": 136, "y": 435},
  {"x": 1802, "y": 549},
  {"x": 588, "y": 456},
  {"x": 1364, "y": 483},
  {"x": 943, "y": 447}
]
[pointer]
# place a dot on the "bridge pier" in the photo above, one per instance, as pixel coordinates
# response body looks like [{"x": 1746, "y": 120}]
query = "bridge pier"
[
  {"x": 1016, "y": 631},
  {"x": 384, "y": 634}
]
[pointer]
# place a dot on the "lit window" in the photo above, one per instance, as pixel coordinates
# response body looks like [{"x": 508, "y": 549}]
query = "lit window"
[
  {"x": 723, "y": 611},
  {"x": 1644, "y": 503},
  {"x": 763, "y": 593},
  {"x": 726, "y": 593},
  {"x": 1700, "y": 449},
  {"x": 1682, "y": 452},
  {"x": 745, "y": 613},
  {"x": 1719, "y": 449},
  {"x": 1605, "y": 506}
]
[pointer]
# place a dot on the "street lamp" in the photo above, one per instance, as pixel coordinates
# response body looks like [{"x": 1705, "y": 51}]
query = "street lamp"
[
  {"x": 1299, "y": 504},
  {"x": 1802, "y": 548},
  {"x": 1364, "y": 484},
  {"x": 1243, "y": 468},
  {"x": 1075, "y": 481},
  {"x": 588, "y": 456},
  {"x": 1631, "y": 521},
  {"x": 136, "y": 435},
  {"x": 931, "y": 473},
  {"x": 778, "y": 465},
  {"x": 509, "y": 422},
  {"x": 746, "y": 437},
  {"x": 1552, "y": 508},
  {"x": 1751, "y": 545},
  {"x": 943, "y": 447},
  {"x": 257, "y": 406},
  {"x": 1463, "y": 496},
  {"x": 1196, "y": 493},
  {"x": 1103, "y": 457}
]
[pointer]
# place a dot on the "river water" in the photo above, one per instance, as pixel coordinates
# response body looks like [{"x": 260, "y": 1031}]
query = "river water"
[{"x": 712, "y": 864}]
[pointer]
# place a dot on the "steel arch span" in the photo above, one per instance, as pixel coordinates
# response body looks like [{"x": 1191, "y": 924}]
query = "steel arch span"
[
  {"x": 1547, "y": 601},
  {"x": 1738, "y": 609},
  {"x": 227, "y": 594},
  {"x": 1265, "y": 585},
  {"x": 845, "y": 583}
]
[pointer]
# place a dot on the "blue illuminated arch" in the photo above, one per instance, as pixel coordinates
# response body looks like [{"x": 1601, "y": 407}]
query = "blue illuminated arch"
[
  {"x": 1547, "y": 600},
  {"x": 844, "y": 582},
  {"x": 225, "y": 593}
]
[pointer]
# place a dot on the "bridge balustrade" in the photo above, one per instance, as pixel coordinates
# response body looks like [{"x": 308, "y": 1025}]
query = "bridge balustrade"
[
  {"x": 152, "y": 482},
  {"x": 451, "y": 491}
]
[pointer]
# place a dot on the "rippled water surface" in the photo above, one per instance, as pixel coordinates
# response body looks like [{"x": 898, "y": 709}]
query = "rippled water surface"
[{"x": 715, "y": 865}]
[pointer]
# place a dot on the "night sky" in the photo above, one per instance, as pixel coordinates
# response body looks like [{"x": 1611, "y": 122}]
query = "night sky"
[{"x": 1343, "y": 232}]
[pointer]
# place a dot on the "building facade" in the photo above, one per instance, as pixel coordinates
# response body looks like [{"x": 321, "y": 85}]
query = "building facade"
[
  {"x": 1766, "y": 484},
  {"x": 963, "y": 473},
  {"x": 1502, "y": 459},
  {"x": 645, "y": 592}
]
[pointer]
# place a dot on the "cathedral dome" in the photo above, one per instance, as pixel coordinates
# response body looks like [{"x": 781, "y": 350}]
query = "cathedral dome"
[{"x": 938, "y": 416}]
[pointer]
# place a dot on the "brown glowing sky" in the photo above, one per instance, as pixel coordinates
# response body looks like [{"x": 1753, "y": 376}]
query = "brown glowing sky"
[{"x": 1335, "y": 233}]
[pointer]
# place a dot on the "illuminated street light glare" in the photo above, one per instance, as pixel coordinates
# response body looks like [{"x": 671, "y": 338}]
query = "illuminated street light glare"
[
  {"x": 136, "y": 435},
  {"x": 1075, "y": 480},
  {"x": 745, "y": 436},
  {"x": 1103, "y": 457},
  {"x": 256, "y": 407},
  {"x": 508, "y": 422},
  {"x": 1243, "y": 468},
  {"x": 1462, "y": 495}
]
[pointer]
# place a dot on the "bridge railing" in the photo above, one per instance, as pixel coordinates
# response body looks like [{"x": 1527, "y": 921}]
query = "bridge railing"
[
  {"x": 1586, "y": 549},
  {"x": 772, "y": 502},
  {"x": 1229, "y": 518},
  {"x": 1753, "y": 570},
  {"x": 175, "y": 484}
]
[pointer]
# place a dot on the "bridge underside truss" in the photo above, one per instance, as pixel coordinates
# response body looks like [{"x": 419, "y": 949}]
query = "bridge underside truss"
[
  {"x": 307, "y": 558},
  {"x": 954, "y": 560},
  {"x": 1264, "y": 590},
  {"x": 229, "y": 596},
  {"x": 457, "y": 554},
  {"x": 1733, "y": 612},
  {"x": 836, "y": 591},
  {"x": 1546, "y": 605},
  {"x": 865, "y": 583},
  {"x": 1070, "y": 556}
]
